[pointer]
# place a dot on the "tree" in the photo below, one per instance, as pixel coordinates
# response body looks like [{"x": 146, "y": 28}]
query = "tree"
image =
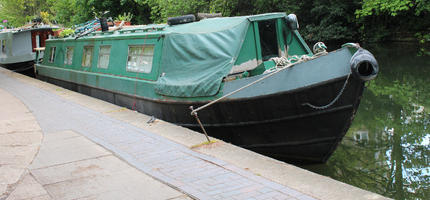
[
  {"x": 18, "y": 12},
  {"x": 70, "y": 12},
  {"x": 381, "y": 19}
]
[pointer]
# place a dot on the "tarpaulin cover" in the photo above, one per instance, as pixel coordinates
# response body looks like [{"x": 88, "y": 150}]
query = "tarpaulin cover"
[{"x": 196, "y": 56}]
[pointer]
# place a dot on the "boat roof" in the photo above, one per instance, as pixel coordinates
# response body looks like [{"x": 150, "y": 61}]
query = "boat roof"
[
  {"x": 38, "y": 28},
  {"x": 209, "y": 25},
  {"x": 19, "y": 30},
  {"x": 194, "y": 56}
]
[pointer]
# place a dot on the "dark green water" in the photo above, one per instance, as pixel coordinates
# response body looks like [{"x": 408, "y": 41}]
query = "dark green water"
[{"x": 387, "y": 148}]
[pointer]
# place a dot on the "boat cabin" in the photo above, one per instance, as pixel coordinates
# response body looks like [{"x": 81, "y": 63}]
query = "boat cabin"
[
  {"x": 17, "y": 46},
  {"x": 184, "y": 60}
]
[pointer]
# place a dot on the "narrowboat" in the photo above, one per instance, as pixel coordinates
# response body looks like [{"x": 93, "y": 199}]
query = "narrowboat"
[
  {"x": 267, "y": 91},
  {"x": 17, "y": 47}
]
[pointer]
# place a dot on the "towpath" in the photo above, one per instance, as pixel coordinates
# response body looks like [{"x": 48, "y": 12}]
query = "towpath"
[{"x": 95, "y": 150}]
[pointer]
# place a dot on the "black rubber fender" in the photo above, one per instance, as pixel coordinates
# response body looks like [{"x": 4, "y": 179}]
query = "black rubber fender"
[
  {"x": 103, "y": 24},
  {"x": 181, "y": 19},
  {"x": 364, "y": 65}
]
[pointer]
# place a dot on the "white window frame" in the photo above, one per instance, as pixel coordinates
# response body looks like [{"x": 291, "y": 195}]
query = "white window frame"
[
  {"x": 52, "y": 54},
  {"x": 104, "y": 54},
  {"x": 146, "y": 68},
  {"x": 84, "y": 56},
  {"x": 66, "y": 59}
]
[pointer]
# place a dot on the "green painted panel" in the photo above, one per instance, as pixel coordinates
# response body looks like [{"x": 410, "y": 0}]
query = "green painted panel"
[
  {"x": 249, "y": 50},
  {"x": 298, "y": 46},
  {"x": 280, "y": 29},
  {"x": 286, "y": 38},
  {"x": 117, "y": 59},
  {"x": 267, "y": 16},
  {"x": 114, "y": 83}
]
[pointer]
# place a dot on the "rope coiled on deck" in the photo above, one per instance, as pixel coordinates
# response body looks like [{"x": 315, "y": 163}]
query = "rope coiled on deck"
[{"x": 282, "y": 63}]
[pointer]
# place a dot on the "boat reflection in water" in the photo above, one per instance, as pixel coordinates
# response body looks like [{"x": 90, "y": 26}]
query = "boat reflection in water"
[{"x": 387, "y": 149}]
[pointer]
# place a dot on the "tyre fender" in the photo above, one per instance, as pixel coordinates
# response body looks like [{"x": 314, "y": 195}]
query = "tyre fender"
[
  {"x": 181, "y": 20},
  {"x": 364, "y": 65}
]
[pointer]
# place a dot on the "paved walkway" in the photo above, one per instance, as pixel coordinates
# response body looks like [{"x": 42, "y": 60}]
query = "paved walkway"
[
  {"x": 20, "y": 139},
  {"x": 67, "y": 165},
  {"x": 197, "y": 175}
]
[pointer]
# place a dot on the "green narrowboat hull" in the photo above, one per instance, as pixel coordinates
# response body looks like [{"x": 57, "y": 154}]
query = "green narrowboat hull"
[
  {"x": 296, "y": 114},
  {"x": 271, "y": 121}
]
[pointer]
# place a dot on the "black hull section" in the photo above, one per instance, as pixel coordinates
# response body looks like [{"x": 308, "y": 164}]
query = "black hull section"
[
  {"x": 26, "y": 68},
  {"x": 279, "y": 126}
]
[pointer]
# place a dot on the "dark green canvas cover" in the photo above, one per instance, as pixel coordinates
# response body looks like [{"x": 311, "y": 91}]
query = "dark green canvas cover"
[{"x": 196, "y": 56}]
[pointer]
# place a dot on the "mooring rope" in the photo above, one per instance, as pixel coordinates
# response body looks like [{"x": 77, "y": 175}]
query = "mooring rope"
[
  {"x": 281, "y": 63},
  {"x": 333, "y": 101}
]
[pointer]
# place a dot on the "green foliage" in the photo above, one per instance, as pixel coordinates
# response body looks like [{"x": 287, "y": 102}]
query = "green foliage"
[
  {"x": 382, "y": 19},
  {"x": 329, "y": 20},
  {"x": 125, "y": 17},
  {"x": 66, "y": 32},
  {"x": 162, "y": 9},
  {"x": 70, "y": 12},
  {"x": 424, "y": 43},
  {"x": 136, "y": 8},
  {"x": 46, "y": 17},
  {"x": 390, "y": 7},
  {"x": 18, "y": 12},
  {"x": 320, "y": 20}
]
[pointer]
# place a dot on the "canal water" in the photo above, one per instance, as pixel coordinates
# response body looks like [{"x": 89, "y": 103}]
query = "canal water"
[{"x": 387, "y": 148}]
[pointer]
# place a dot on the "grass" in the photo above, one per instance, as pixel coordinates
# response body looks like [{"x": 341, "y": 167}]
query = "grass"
[{"x": 204, "y": 143}]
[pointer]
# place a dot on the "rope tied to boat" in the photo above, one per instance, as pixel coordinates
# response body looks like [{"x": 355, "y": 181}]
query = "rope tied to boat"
[
  {"x": 333, "y": 101},
  {"x": 320, "y": 48},
  {"x": 281, "y": 63}
]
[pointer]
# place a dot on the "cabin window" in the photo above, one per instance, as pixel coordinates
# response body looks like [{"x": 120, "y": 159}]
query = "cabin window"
[
  {"x": 3, "y": 46},
  {"x": 52, "y": 55},
  {"x": 104, "y": 54},
  {"x": 140, "y": 58},
  {"x": 37, "y": 41},
  {"x": 88, "y": 56},
  {"x": 69, "y": 56},
  {"x": 268, "y": 39}
]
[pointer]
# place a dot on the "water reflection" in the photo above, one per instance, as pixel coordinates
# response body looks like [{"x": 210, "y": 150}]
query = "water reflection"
[{"x": 387, "y": 148}]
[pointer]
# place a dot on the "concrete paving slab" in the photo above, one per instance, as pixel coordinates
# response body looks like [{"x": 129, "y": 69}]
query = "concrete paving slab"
[
  {"x": 28, "y": 188},
  {"x": 20, "y": 138},
  {"x": 67, "y": 165},
  {"x": 53, "y": 152},
  {"x": 59, "y": 136},
  {"x": 17, "y": 155},
  {"x": 100, "y": 166},
  {"x": 18, "y": 126},
  {"x": 93, "y": 173}
]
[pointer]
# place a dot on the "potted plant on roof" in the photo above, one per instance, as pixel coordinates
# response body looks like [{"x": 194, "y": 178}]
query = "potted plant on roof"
[{"x": 126, "y": 17}]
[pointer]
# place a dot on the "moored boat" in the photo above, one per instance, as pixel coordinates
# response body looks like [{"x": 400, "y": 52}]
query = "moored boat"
[
  {"x": 17, "y": 47},
  {"x": 274, "y": 96}
]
